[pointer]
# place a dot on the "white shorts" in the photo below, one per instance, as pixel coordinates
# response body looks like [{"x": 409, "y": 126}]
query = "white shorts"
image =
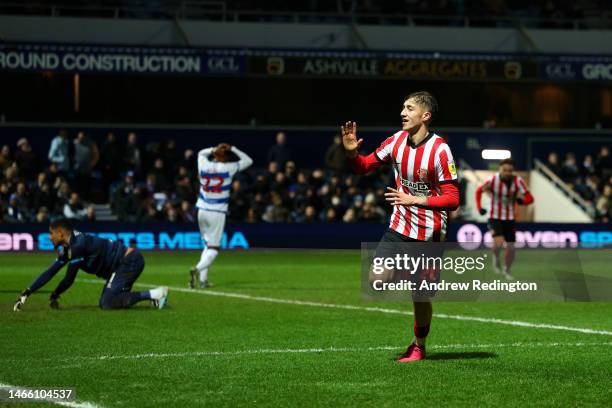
[{"x": 211, "y": 226}]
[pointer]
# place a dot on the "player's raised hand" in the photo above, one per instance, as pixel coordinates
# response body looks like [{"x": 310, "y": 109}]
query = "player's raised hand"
[
  {"x": 396, "y": 197},
  {"x": 349, "y": 139}
]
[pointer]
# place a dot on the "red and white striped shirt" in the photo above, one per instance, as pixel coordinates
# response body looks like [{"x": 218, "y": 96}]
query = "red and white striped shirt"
[
  {"x": 420, "y": 171},
  {"x": 503, "y": 196}
]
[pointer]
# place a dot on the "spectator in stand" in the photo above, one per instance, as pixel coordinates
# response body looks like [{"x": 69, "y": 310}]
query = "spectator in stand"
[
  {"x": 184, "y": 185},
  {"x": 276, "y": 212},
  {"x": 553, "y": 164},
  {"x": 335, "y": 157},
  {"x": 42, "y": 216},
  {"x": 6, "y": 160},
  {"x": 171, "y": 214},
  {"x": 588, "y": 166},
  {"x": 59, "y": 152},
  {"x": 26, "y": 159},
  {"x": 132, "y": 155},
  {"x": 62, "y": 196},
  {"x": 189, "y": 161},
  {"x": 74, "y": 208},
  {"x": 350, "y": 215},
  {"x": 239, "y": 204},
  {"x": 604, "y": 204},
  {"x": 330, "y": 215},
  {"x": 86, "y": 156},
  {"x": 187, "y": 214},
  {"x": 569, "y": 169},
  {"x": 170, "y": 155},
  {"x": 603, "y": 163},
  {"x": 147, "y": 211},
  {"x": 280, "y": 153},
  {"x": 41, "y": 193},
  {"x": 22, "y": 196},
  {"x": 15, "y": 213},
  {"x": 160, "y": 172},
  {"x": 122, "y": 195},
  {"x": 110, "y": 153}
]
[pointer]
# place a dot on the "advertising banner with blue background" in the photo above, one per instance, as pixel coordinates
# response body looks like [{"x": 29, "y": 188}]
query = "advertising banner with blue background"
[{"x": 173, "y": 237}]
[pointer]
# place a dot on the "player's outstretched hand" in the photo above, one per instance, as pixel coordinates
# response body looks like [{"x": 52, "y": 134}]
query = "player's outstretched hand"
[
  {"x": 349, "y": 139},
  {"x": 21, "y": 300},
  {"x": 396, "y": 197},
  {"x": 482, "y": 211}
]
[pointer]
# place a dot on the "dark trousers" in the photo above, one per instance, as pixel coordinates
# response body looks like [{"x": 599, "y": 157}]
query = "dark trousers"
[{"x": 117, "y": 292}]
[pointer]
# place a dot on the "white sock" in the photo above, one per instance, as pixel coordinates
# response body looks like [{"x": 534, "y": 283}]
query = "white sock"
[
  {"x": 156, "y": 293},
  {"x": 204, "y": 275},
  {"x": 207, "y": 258}
]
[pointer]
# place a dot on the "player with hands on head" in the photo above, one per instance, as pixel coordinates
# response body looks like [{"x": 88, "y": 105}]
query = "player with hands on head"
[{"x": 216, "y": 177}]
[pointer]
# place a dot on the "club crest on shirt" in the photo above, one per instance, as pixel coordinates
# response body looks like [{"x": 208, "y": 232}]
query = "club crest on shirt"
[
  {"x": 452, "y": 168},
  {"x": 423, "y": 174}
]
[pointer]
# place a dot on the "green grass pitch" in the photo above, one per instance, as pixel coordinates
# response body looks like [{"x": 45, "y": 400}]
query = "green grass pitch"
[{"x": 208, "y": 350}]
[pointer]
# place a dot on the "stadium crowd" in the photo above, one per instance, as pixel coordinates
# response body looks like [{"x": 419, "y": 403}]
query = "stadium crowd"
[
  {"x": 157, "y": 182},
  {"x": 590, "y": 177}
]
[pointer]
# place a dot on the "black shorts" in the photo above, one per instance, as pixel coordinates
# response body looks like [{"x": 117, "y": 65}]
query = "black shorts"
[
  {"x": 505, "y": 228},
  {"x": 393, "y": 243}
]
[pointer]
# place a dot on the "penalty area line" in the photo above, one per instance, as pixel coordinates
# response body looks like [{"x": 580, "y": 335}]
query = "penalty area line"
[{"x": 516, "y": 323}]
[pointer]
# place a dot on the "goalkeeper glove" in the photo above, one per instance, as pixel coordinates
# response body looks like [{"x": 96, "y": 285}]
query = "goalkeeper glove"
[
  {"x": 482, "y": 211},
  {"x": 21, "y": 299},
  {"x": 53, "y": 301}
]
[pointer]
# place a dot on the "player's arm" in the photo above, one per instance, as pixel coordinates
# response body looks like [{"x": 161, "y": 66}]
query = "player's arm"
[
  {"x": 205, "y": 153},
  {"x": 360, "y": 164},
  {"x": 41, "y": 281},
  {"x": 64, "y": 285},
  {"x": 524, "y": 196},
  {"x": 485, "y": 187},
  {"x": 244, "y": 160}
]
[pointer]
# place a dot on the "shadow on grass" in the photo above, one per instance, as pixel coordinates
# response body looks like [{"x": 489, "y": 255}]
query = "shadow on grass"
[
  {"x": 467, "y": 355},
  {"x": 462, "y": 355}
]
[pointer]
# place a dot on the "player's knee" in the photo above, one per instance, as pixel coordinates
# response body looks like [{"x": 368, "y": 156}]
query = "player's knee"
[{"x": 105, "y": 303}]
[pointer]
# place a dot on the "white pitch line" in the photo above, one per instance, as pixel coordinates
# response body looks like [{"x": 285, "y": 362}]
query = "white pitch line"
[
  {"x": 516, "y": 323},
  {"x": 318, "y": 350},
  {"x": 73, "y": 404}
]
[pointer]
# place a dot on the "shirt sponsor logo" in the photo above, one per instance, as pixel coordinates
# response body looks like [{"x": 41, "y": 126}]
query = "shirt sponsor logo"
[{"x": 416, "y": 187}]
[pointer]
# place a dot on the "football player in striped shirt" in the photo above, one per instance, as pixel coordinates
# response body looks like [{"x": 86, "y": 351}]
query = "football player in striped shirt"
[
  {"x": 505, "y": 189},
  {"x": 425, "y": 189},
  {"x": 216, "y": 180}
]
